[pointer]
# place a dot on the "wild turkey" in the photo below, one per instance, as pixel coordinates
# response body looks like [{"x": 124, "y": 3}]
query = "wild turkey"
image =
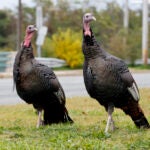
[
  {"x": 38, "y": 85},
  {"x": 108, "y": 80}
]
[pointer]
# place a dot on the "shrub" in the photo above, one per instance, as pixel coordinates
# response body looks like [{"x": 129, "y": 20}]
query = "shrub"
[{"x": 67, "y": 45}]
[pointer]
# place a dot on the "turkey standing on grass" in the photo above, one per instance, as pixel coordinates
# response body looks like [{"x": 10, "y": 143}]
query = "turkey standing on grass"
[
  {"x": 108, "y": 80},
  {"x": 38, "y": 85}
]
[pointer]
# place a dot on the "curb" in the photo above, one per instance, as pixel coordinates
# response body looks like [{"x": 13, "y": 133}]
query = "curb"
[
  {"x": 58, "y": 73},
  {"x": 78, "y": 72}
]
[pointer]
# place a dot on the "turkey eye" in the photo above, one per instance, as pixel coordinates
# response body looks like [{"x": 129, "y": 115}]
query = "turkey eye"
[
  {"x": 29, "y": 27},
  {"x": 87, "y": 16}
]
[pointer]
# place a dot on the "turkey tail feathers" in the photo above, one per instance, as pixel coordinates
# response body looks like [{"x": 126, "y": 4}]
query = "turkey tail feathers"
[
  {"x": 67, "y": 117},
  {"x": 142, "y": 123},
  {"x": 56, "y": 114},
  {"x": 135, "y": 112}
]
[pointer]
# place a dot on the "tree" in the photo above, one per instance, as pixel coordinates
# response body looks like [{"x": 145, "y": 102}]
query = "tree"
[
  {"x": 108, "y": 28},
  {"x": 7, "y": 26}
]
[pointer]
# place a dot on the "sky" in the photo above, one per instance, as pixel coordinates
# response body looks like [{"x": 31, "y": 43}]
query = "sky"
[{"x": 12, "y": 4}]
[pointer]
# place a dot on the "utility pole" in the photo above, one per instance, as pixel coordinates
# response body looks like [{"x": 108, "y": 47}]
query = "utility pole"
[
  {"x": 125, "y": 23},
  {"x": 145, "y": 33},
  {"x": 19, "y": 24},
  {"x": 39, "y": 24},
  {"x": 126, "y": 16}
]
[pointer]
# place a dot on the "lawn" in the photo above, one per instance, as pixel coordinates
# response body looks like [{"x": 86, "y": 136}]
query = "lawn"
[{"x": 18, "y": 128}]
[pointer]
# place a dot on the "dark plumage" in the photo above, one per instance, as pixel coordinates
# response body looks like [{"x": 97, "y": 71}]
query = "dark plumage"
[
  {"x": 108, "y": 80},
  {"x": 38, "y": 85}
]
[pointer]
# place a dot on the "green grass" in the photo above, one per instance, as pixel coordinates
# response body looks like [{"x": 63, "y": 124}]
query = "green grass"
[
  {"x": 18, "y": 128},
  {"x": 140, "y": 67}
]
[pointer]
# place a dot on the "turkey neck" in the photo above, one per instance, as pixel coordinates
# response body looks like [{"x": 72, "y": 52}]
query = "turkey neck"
[
  {"x": 24, "y": 56},
  {"x": 91, "y": 48},
  {"x": 27, "y": 51},
  {"x": 27, "y": 39},
  {"x": 86, "y": 27}
]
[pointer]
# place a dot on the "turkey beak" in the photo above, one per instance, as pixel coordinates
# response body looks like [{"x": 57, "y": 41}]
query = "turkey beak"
[
  {"x": 93, "y": 18},
  {"x": 35, "y": 29}
]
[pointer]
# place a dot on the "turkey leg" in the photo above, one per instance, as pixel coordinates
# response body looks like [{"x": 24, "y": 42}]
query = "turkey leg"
[
  {"x": 39, "y": 121},
  {"x": 110, "y": 122}
]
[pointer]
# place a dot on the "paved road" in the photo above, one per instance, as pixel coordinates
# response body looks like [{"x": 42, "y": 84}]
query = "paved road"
[{"x": 73, "y": 86}]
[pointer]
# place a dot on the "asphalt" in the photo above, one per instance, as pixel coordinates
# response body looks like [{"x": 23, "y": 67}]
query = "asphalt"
[{"x": 71, "y": 80}]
